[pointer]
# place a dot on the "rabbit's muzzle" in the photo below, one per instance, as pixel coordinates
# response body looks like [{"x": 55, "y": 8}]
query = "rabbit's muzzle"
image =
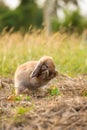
[
  {"x": 48, "y": 75},
  {"x": 52, "y": 74}
]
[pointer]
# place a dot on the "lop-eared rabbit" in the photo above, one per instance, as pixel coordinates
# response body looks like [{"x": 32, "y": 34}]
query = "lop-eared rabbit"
[{"x": 34, "y": 74}]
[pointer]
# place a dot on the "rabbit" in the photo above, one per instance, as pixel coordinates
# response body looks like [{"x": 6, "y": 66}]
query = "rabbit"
[{"x": 34, "y": 74}]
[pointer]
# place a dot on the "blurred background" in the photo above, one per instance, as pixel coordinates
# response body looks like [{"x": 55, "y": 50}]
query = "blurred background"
[{"x": 53, "y": 15}]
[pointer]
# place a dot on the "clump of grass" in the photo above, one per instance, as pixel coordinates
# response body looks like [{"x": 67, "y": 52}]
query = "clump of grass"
[
  {"x": 84, "y": 94},
  {"x": 68, "y": 52},
  {"x": 22, "y": 110},
  {"x": 54, "y": 91},
  {"x": 27, "y": 98},
  {"x": 21, "y": 97},
  {"x": 18, "y": 98}
]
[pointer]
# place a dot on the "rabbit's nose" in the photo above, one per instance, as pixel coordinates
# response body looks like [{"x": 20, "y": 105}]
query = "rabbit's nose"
[{"x": 54, "y": 74}]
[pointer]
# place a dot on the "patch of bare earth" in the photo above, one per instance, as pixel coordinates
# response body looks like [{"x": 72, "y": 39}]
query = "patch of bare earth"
[{"x": 68, "y": 111}]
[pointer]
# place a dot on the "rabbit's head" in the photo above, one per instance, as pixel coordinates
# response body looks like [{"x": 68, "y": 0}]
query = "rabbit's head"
[{"x": 45, "y": 69}]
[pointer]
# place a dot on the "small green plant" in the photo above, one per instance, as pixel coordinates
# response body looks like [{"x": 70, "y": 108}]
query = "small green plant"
[
  {"x": 84, "y": 94},
  {"x": 18, "y": 98},
  {"x": 54, "y": 91},
  {"x": 27, "y": 98},
  {"x": 21, "y": 97},
  {"x": 23, "y": 110}
]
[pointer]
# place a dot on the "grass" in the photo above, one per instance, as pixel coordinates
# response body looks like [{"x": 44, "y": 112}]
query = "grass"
[
  {"x": 54, "y": 91},
  {"x": 68, "y": 51},
  {"x": 23, "y": 110},
  {"x": 84, "y": 93}
]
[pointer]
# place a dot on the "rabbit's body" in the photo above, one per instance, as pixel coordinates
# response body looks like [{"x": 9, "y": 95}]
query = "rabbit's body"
[{"x": 34, "y": 74}]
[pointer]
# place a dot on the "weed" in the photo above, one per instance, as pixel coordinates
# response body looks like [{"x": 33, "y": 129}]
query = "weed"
[
  {"x": 84, "y": 94},
  {"x": 53, "y": 91},
  {"x": 27, "y": 98},
  {"x": 18, "y": 98},
  {"x": 23, "y": 110}
]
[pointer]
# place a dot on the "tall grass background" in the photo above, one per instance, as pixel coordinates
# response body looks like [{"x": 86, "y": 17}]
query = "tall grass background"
[{"x": 68, "y": 51}]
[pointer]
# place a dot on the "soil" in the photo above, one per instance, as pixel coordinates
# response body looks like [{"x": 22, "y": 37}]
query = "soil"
[{"x": 66, "y": 111}]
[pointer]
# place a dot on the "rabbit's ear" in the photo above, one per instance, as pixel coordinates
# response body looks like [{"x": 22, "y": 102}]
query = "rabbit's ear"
[{"x": 37, "y": 69}]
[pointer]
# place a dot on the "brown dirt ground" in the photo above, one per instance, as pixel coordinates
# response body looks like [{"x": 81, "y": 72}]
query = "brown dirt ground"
[{"x": 67, "y": 111}]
